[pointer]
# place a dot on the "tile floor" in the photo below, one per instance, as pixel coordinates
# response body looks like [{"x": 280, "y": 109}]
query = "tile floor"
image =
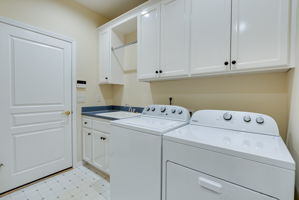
[{"x": 78, "y": 184}]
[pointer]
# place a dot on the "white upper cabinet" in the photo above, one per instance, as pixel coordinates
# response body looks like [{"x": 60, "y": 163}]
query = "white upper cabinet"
[
  {"x": 174, "y": 38},
  {"x": 110, "y": 71},
  {"x": 210, "y": 36},
  {"x": 260, "y": 34},
  {"x": 105, "y": 56},
  {"x": 149, "y": 43}
]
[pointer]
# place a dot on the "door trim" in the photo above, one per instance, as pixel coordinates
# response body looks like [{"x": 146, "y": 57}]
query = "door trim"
[{"x": 18, "y": 24}]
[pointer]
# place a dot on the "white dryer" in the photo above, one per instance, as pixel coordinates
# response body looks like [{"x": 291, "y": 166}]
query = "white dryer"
[
  {"x": 136, "y": 146},
  {"x": 227, "y": 155}
]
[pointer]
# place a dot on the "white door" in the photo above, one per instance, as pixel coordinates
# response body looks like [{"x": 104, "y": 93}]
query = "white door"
[
  {"x": 210, "y": 36},
  {"x": 174, "y": 38},
  {"x": 149, "y": 43},
  {"x": 87, "y": 145},
  {"x": 35, "y": 84},
  {"x": 99, "y": 150},
  {"x": 105, "y": 56},
  {"x": 260, "y": 32}
]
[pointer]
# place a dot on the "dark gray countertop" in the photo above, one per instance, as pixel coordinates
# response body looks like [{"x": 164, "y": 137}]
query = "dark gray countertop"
[{"x": 94, "y": 110}]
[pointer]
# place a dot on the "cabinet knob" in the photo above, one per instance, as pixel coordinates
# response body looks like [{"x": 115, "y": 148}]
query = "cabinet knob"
[
  {"x": 226, "y": 63},
  {"x": 1, "y": 165},
  {"x": 157, "y": 71},
  {"x": 89, "y": 134},
  {"x": 160, "y": 71},
  {"x": 103, "y": 138},
  {"x": 85, "y": 123},
  {"x": 106, "y": 78},
  {"x": 234, "y": 62}
]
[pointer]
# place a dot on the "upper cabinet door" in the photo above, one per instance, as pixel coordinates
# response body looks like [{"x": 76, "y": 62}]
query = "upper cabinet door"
[
  {"x": 148, "y": 43},
  {"x": 260, "y": 32},
  {"x": 174, "y": 38},
  {"x": 210, "y": 36},
  {"x": 104, "y": 56}
]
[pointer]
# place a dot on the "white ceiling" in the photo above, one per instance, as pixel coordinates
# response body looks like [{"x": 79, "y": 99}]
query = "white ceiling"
[{"x": 110, "y": 8}]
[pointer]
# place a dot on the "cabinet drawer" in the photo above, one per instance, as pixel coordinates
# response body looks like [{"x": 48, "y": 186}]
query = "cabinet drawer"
[
  {"x": 87, "y": 123},
  {"x": 185, "y": 183},
  {"x": 102, "y": 126}
]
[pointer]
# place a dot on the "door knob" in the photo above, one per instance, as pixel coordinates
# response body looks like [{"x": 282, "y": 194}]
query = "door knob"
[{"x": 67, "y": 113}]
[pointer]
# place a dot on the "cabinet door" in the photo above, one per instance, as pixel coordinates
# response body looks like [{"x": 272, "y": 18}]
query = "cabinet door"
[
  {"x": 174, "y": 38},
  {"x": 149, "y": 40},
  {"x": 99, "y": 150},
  {"x": 260, "y": 33},
  {"x": 105, "y": 56},
  {"x": 87, "y": 143},
  {"x": 210, "y": 36}
]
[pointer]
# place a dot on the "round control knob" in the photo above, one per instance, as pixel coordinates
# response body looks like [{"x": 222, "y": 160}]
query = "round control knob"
[
  {"x": 227, "y": 116},
  {"x": 163, "y": 109},
  {"x": 148, "y": 109},
  {"x": 153, "y": 109},
  {"x": 247, "y": 118},
  {"x": 260, "y": 120},
  {"x": 173, "y": 110},
  {"x": 180, "y": 112}
]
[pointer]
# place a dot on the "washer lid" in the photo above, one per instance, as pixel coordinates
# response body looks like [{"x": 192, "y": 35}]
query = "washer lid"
[
  {"x": 148, "y": 124},
  {"x": 266, "y": 149}
]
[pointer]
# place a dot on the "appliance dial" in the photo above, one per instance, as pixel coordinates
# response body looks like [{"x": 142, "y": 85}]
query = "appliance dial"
[
  {"x": 180, "y": 112},
  {"x": 173, "y": 110},
  {"x": 260, "y": 120},
  {"x": 163, "y": 109},
  {"x": 247, "y": 118},
  {"x": 227, "y": 116},
  {"x": 153, "y": 109}
]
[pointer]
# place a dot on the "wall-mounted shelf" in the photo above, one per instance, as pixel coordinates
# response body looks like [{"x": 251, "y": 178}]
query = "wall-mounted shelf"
[{"x": 123, "y": 46}]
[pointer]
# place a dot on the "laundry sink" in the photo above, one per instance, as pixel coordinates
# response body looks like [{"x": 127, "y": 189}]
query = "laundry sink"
[{"x": 118, "y": 114}]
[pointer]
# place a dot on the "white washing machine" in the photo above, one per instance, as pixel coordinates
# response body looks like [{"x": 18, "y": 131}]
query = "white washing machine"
[
  {"x": 229, "y": 156},
  {"x": 136, "y": 146}
]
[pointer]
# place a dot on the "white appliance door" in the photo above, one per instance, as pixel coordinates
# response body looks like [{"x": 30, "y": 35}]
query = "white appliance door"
[
  {"x": 35, "y": 84},
  {"x": 184, "y": 183},
  {"x": 135, "y": 165}
]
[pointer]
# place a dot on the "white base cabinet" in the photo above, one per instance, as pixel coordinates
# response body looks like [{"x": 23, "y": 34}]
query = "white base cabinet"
[{"x": 96, "y": 137}]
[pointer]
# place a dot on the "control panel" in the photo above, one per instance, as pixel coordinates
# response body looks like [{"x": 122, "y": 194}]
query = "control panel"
[
  {"x": 167, "y": 112},
  {"x": 234, "y": 120}
]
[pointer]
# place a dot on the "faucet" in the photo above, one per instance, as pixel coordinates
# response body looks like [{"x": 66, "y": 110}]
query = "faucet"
[{"x": 130, "y": 108}]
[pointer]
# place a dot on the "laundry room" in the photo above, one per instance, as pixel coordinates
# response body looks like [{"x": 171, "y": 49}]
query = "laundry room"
[{"x": 149, "y": 99}]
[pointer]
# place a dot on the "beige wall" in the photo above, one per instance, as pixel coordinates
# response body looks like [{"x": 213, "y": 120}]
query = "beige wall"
[{"x": 70, "y": 19}]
